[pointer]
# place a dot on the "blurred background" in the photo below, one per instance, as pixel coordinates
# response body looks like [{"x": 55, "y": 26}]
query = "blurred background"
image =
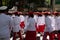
[{"x": 34, "y": 4}]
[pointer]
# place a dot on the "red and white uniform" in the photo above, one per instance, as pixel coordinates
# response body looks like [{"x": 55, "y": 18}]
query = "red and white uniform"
[
  {"x": 58, "y": 26},
  {"x": 16, "y": 28},
  {"x": 48, "y": 26},
  {"x": 26, "y": 21},
  {"x": 22, "y": 21},
  {"x": 30, "y": 29},
  {"x": 54, "y": 28},
  {"x": 41, "y": 23}
]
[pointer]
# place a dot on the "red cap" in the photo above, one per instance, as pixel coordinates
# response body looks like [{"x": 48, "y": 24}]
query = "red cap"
[
  {"x": 36, "y": 12},
  {"x": 40, "y": 13},
  {"x": 15, "y": 13},
  {"x": 19, "y": 12},
  {"x": 45, "y": 12},
  {"x": 31, "y": 13},
  {"x": 55, "y": 13}
]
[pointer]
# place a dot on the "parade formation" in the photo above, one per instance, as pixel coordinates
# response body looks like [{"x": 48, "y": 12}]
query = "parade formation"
[
  {"x": 15, "y": 23},
  {"x": 25, "y": 19}
]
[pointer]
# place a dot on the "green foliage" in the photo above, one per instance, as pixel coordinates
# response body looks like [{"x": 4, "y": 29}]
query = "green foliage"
[
  {"x": 5, "y": 2},
  {"x": 57, "y": 1},
  {"x": 47, "y": 2}
]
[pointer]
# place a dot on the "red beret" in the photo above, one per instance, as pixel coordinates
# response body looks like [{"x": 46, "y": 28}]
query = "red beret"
[
  {"x": 36, "y": 12},
  {"x": 31, "y": 13},
  {"x": 19, "y": 12},
  {"x": 15, "y": 13},
  {"x": 55, "y": 13}
]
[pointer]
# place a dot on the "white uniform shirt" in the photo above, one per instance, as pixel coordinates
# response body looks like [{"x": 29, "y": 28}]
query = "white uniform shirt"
[
  {"x": 31, "y": 25},
  {"x": 53, "y": 24},
  {"x": 5, "y": 25},
  {"x": 16, "y": 22},
  {"x": 41, "y": 20},
  {"x": 50, "y": 24},
  {"x": 21, "y": 18},
  {"x": 36, "y": 18},
  {"x": 26, "y": 21},
  {"x": 58, "y": 22}
]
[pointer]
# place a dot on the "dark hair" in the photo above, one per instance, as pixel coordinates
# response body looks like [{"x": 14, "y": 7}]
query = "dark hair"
[{"x": 31, "y": 15}]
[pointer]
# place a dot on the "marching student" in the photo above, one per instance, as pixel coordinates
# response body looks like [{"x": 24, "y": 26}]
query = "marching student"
[
  {"x": 36, "y": 16},
  {"x": 22, "y": 25},
  {"x": 16, "y": 28},
  {"x": 5, "y": 24},
  {"x": 26, "y": 19},
  {"x": 53, "y": 27},
  {"x": 58, "y": 25},
  {"x": 41, "y": 22},
  {"x": 10, "y": 14},
  {"x": 55, "y": 24},
  {"x": 48, "y": 25},
  {"x": 36, "y": 19},
  {"x": 30, "y": 29}
]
